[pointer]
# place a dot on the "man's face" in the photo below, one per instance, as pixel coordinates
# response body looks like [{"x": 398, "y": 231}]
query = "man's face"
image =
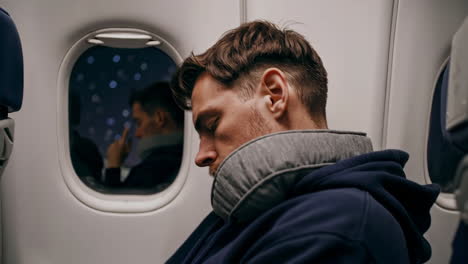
[
  {"x": 146, "y": 125},
  {"x": 223, "y": 120}
]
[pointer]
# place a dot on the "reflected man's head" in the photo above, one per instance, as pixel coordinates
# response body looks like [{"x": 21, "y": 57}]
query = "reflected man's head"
[
  {"x": 154, "y": 111},
  {"x": 257, "y": 79}
]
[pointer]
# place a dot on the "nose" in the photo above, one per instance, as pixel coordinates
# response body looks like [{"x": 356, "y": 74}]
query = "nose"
[{"x": 206, "y": 154}]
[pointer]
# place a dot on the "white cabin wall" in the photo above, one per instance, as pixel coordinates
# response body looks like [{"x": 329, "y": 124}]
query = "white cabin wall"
[
  {"x": 423, "y": 35},
  {"x": 42, "y": 221}
]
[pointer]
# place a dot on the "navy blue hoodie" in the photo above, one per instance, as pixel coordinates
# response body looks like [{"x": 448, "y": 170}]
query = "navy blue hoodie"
[{"x": 358, "y": 210}]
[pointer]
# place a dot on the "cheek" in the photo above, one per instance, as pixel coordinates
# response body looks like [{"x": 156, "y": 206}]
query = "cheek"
[
  {"x": 224, "y": 141},
  {"x": 149, "y": 127},
  {"x": 229, "y": 138},
  {"x": 236, "y": 128}
]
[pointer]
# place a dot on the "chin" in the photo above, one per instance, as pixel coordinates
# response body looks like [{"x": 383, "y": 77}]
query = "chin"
[{"x": 212, "y": 171}]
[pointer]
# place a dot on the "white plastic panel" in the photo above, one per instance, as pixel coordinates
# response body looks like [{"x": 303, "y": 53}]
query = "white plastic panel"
[
  {"x": 424, "y": 31},
  {"x": 43, "y": 222},
  {"x": 353, "y": 39},
  {"x": 457, "y": 97}
]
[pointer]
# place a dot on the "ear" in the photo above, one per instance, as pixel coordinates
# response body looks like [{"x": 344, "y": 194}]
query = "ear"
[
  {"x": 274, "y": 87},
  {"x": 159, "y": 118}
]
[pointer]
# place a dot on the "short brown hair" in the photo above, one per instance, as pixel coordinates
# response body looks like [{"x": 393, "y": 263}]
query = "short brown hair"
[
  {"x": 158, "y": 95},
  {"x": 245, "y": 51}
]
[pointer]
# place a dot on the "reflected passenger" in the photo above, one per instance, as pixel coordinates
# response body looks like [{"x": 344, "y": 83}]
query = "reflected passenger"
[
  {"x": 159, "y": 128},
  {"x": 85, "y": 156}
]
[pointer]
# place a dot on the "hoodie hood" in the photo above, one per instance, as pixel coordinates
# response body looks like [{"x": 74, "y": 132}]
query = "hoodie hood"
[{"x": 381, "y": 174}]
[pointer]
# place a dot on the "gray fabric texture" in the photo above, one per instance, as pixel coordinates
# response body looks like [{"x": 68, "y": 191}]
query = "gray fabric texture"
[
  {"x": 147, "y": 145},
  {"x": 259, "y": 174},
  {"x": 457, "y": 93}
]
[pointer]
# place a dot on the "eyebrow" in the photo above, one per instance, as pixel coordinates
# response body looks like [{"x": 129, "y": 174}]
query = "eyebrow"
[{"x": 203, "y": 117}]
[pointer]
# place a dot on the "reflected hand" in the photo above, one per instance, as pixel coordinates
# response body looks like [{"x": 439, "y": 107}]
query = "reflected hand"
[{"x": 118, "y": 151}]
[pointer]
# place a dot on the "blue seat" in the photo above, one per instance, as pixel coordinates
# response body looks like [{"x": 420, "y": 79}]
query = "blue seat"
[
  {"x": 443, "y": 156},
  {"x": 11, "y": 66},
  {"x": 457, "y": 137},
  {"x": 455, "y": 96},
  {"x": 11, "y": 83}
]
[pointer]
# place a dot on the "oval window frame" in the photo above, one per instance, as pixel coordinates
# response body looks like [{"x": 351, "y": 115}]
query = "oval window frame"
[
  {"x": 444, "y": 200},
  {"x": 115, "y": 203}
]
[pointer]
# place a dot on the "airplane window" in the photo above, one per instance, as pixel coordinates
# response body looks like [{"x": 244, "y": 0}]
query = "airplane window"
[
  {"x": 125, "y": 130},
  {"x": 442, "y": 156}
]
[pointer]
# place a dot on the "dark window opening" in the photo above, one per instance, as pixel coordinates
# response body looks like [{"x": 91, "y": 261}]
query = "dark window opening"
[{"x": 115, "y": 93}]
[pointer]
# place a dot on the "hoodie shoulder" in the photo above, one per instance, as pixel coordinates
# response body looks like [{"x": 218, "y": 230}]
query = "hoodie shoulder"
[
  {"x": 341, "y": 211},
  {"x": 348, "y": 214}
]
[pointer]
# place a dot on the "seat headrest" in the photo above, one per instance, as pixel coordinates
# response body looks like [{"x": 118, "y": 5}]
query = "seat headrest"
[
  {"x": 11, "y": 65},
  {"x": 457, "y": 112},
  {"x": 457, "y": 90},
  {"x": 442, "y": 156}
]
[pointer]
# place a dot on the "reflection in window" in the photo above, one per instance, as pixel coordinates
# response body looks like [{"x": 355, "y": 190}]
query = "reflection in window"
[{"x": 125, "y": 130}]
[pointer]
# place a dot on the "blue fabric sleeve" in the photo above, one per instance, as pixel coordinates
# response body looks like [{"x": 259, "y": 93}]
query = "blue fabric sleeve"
[
  {"x": 460, "y": 244},
  {"x": 312, "y": 248}
]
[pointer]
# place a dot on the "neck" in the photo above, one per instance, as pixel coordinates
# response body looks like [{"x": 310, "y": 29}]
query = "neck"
[
  {"x": 169, "y": 129},
  {"x": 305, "y": 122},
  {"x": 298, "y": 118}
]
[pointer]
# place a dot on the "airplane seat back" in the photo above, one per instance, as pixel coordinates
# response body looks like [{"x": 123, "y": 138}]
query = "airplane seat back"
[
  {"x": 457, "y": 113},
  {"x": 11, "y": 83},
  {"x": 456, "y": 92},
  {"x": 442, "y": 155}
]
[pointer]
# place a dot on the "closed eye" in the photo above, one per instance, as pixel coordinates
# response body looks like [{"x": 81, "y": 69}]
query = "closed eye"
[
  {"x": 207, "y": 121},
  {"x": 212, "y": 125}
]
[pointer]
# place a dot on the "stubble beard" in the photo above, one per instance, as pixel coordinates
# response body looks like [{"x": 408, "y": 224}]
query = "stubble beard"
[{"x": 258, "y": 126}]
